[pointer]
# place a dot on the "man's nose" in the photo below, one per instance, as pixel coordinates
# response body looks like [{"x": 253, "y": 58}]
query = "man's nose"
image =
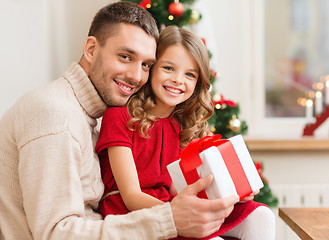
[{"x": 135, "y": 73}]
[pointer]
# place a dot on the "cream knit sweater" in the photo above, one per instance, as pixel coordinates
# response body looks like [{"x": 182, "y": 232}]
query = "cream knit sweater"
[{"x": 50, "y": 181}]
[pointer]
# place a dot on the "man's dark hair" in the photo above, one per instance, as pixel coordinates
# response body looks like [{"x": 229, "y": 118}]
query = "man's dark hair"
[{"x": 108, "y": 18}]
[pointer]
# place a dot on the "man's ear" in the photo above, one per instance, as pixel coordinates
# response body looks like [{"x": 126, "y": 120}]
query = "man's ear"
[{"x": 89, "y": 48}]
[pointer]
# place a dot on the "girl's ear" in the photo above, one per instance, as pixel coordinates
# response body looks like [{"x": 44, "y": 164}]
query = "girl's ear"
[{"x": 89, "y": 48}]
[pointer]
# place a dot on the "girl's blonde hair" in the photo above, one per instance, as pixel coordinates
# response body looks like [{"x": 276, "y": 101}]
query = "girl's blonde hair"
[{"x": 192, "y": 115}]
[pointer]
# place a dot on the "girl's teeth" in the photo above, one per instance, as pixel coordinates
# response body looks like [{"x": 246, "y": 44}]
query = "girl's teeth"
[{"x": 173, "y": 90}]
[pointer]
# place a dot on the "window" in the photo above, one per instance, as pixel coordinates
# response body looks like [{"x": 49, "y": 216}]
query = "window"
[
  {"x": 296, "y": 54},
  {"x": 290, "y": 55}
]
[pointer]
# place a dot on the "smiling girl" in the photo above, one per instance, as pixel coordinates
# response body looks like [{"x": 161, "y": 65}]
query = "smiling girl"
[{"x": 139, "y": 140}]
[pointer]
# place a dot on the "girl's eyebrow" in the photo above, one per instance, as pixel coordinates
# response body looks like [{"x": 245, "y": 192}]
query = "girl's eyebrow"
[
  {"x": 171, "y": 63},
  {"x": 194, "y": 70},
  {"x": 166, "y": 61}
]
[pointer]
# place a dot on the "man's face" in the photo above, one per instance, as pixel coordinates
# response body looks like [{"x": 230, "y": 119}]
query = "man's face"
[{"x": 121, "y": 67}]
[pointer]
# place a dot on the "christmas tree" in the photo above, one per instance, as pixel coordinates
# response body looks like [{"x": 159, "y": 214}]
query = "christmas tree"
[
  {"x": 225, "y": 120},
  {"x": 171, "y": 12},
  {"x": 265, "y": 195}
]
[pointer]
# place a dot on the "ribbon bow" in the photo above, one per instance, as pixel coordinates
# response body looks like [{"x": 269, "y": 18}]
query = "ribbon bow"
[
  {"x": 190, "y": 160},
  {"x": 189, "y": 156}
]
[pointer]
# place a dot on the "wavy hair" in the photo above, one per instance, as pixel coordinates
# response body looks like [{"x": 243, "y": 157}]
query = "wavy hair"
[{"x": 192, "y": 114}]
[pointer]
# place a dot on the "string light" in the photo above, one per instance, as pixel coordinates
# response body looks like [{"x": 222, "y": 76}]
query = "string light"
[
  {"x": 320, "y": 86},
  {"x": 318, "y": 94},
  {"x": 216, "y": 97},
  {"x": 302, "y": 101},
  {"x": 309, "y": 103}
]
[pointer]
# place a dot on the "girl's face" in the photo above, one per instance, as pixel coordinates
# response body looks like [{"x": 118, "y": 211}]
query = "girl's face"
[{"x": 174, "y": 77}]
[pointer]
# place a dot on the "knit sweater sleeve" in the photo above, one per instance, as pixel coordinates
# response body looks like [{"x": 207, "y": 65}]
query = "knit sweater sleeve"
[
  {"x": 53, "y": 198},
  {"x": 59, "y": 178}
]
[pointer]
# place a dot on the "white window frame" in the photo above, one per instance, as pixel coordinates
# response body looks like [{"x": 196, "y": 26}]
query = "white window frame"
[{"x": 259, "y": 125}]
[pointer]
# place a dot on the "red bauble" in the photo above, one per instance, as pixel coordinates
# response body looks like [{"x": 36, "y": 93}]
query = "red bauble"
[
  {"x": 176, "y": 9},
  {"x": 144, "y": 3}
]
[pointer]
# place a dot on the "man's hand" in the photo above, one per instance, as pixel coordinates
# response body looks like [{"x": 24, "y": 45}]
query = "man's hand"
[{"x": 196, "y": 217}]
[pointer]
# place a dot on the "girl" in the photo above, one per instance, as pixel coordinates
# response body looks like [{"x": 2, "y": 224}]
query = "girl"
[{"x": 139, "y": 140}]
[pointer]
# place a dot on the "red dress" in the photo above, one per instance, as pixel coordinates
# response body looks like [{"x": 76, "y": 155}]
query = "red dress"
[{"x": 151, "y": 156}]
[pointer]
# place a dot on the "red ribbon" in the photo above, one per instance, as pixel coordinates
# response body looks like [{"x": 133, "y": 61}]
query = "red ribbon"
[{"x": 190, "y": 160}]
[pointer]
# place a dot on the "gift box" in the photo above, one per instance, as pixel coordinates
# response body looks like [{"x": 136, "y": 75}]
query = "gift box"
[{"x": 228, "y": 160}]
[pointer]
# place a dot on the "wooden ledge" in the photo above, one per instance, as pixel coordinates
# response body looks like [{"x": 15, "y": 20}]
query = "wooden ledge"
[
  {"x": 302, "y": 144},
  {"x": 307, "y": 223}
]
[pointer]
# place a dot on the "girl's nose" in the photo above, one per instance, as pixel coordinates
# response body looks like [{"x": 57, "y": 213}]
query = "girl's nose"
[{"x": 178, "y": 79}]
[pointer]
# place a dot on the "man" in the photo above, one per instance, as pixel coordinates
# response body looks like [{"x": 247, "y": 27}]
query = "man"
[{"x": 49, "y": 173}]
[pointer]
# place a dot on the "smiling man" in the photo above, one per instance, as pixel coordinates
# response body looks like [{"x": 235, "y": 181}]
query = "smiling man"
[
  {"x": 119, "y": 66},
  {"x": 49, "y": 173}
]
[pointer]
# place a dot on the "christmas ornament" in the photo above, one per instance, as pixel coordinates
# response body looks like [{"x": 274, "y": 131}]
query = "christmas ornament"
[
  {"x": 179, "y": 13},
  {"x": 176, "y": 8},
  {"x": 145, "y": 4},
  {"x": 213, "y": 75},
  {"x": 234, "y": 124},
  {"x": 162, "y": 26},
  {"x": 225, "y": 120},
  {"x": 219, "y": 99},
  {"x": 195, "y": 16}
]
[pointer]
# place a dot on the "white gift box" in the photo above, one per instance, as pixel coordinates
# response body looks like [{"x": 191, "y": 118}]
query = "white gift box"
[{"x": 224, "y": 183}]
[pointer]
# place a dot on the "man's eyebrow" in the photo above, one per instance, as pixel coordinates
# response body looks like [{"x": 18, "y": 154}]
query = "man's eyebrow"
[
  {"x": 131, "y": 51},
  {"x": 152, "y": 60},
  {"x": 127, "y": 49}
]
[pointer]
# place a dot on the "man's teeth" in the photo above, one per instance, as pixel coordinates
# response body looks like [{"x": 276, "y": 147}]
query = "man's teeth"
[
  {"x": 125, "y": 87},
  {"x": 173, "y": 90}
]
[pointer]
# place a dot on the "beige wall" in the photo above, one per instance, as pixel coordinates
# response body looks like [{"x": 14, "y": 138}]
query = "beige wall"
[{"x": 39, "y": 39}]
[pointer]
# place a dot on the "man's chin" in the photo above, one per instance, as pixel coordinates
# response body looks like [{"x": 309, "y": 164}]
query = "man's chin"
[
  {"x": 118, "y": 103},
  {"x": 122, "y": 105}
]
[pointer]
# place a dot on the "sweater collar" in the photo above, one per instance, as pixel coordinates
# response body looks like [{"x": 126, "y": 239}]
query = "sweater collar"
[{"x": 85, "y": 91}]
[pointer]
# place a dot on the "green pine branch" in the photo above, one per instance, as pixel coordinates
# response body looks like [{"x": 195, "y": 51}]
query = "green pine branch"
[{"x": 159, "y": 10}]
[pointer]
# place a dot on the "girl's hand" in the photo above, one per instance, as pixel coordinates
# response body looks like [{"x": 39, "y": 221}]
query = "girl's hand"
[
  {"x": 249, "y": 198},
  {"x": 172, "y": 189}
]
